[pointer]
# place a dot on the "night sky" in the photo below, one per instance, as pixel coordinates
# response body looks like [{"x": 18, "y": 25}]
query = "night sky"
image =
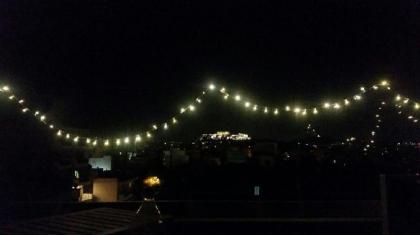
[{"x": 115, "y": 66}]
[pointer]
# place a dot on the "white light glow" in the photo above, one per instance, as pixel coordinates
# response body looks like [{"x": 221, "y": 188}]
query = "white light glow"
[
  {"x": 191, "y": 107},
  {"x": 237, "y": 97},
  {"x": 212, "y": 87},
  {"x": 117, "y": 142},
  {"x": 137, "y": 139},
  {"x": 126, "y": 140}
]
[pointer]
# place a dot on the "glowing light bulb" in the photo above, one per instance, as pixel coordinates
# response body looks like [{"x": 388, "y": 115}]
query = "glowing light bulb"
[
  {"x": 287, "y": 108},
  {"x": 36, "y": 113},
  {"x": 223, "y": 90},
  {"x": 182, "y": 110},
  {"x": 11, "y": 97},
  {"x": 87, "y": 141},
  {"x": 357, "y": 97},
  {"x": 226, "y": 97},
  {"x": 362, "y": 89},
  {"x": 327, "y": 105},
  {"x": 95, "y": 142},
  {"x": 6, "y": 88},
  {"x": 59, "y": 133},
  {"x": 255, "y": 108},
  {"x": 415, "y": 120},
  {"x": 375, "y": 87},
  {"x": 137, "y": 139},
  {"x": 67, "y": 136},
  {"x": 276, "y": 111},
  {"x": 315, "y": 111},
  {"x": 174, "y": 120},
  {"x": 397, "y": 98},
  {"x": 416, "y": 106},
  {"x": 117, "y": 142},
  {"x": 106, "y": 142},
  {"x": 148, "y": 135},
  {"x": 247, "y": 104},
  {"x": 212, "y": 87},
  {"x": 126, "y": 140},
  {"x": 265, "y": 110},
  {"x": 296, "y": 110},
  {"x": 191, "y": 107},
  {"x": 42, "y": 118},
  {"x": 372, "y": 133},
  {"x": 51, "y": 126},
  {"x": 337, "y": 106},
  {"x": 165, "y": 126},
  {"x": 237, "y": 97},
  {"x": 346, "y": 102},
  {"x": 76, "y": 139},
  {"x": 304, "y": 112},
  {"x": 383, "y": 103},
  {"x": 410, "y": 117},
  {"x": 24, "y": 110},
  {"x": 155, "y": 127},
  {"x": 384, "y": 83},
  {"x": 377, "y": 115},
  {"x": 198, "y": 100},
  {"x": 406, "y": 100},
  {"x": 21, "y": 101}
]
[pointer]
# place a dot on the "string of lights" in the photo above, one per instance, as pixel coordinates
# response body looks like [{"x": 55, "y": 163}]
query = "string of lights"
[{"x": 224, "y": 93}]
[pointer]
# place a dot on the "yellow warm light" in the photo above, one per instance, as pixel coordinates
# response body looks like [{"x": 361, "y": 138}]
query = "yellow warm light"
[
  {"x": 25, "y": 110},
  {"x": 357, "y": 97},
  {"x": 95, "y": 142},
  {"x": 151, "y": 181},
  {"x": 174, "y": 120},
  {"x": 212, "y": 87},
  {"x": 6, "y": 88},
  {"x": 304, "y": 112},
  {"x": 36, "y": 113},
  {"x": 375, "y": 87},
  {"x": 384, "y": 83},
  {"x": 155, "y": 127},
  {"x": 42, "y": 118},
  {"x": 362, "y": 89},
  {"x": 182, "y": 110},
  {"x": 276, "y": 111},
  {"x": 165, "y": 126},
  {"x": 51, "y": 126},
  {"x": 406, "y": 100},
  {"x": 76, "y": 139},
  {"x": 327, "y": 105},
  {"x": 106, "y": 143},
  {"x": 198, "y": 100},
  {"x": 416, "y": 106},
  {"x": 117, "y": 142},
  {"x": 337, "y": 106},
  {"x": 265, "y": 110},
  {"x": 191, "y": 107},
  {"x": 237, "y": 97},
  {"x": 287, "y": 108},
  {"x": 11, "y": 97},
  {"x": 247, "y": 104},
  {"x": 397, "y": 98},
  {"x": 148, "y": 135},
  {"x": 226, "y": 97},
  {"x": 87, "y": 141},
  {"x": 126, "y": 140},
  {"x": 223, "y": 90},
  {"x": 410, "y": 117},
  {"x": 59, "y": 133},
  {"x": 296, "y": 110},
  {"x": 137, "y": 139},
  {"x": 346, "y": 102},
  {"x": 67, "y": 136},
  {"x": 315, "y": 111},
  {"x": 21, "y": 101}
]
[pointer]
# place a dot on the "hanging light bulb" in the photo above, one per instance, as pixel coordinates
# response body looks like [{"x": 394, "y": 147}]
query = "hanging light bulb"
[
  {"x": 337, "y": 106},
  {"x": 76, "y": 139},
  {"x": 237, "y": 97},
  {"x": 346, "y": 102},
  {"x": 375, "y": 87},
  {"x": 126, "y": 140},
  {"x": 24, "y": 110},
  {"x": 95, "y": 142},
  {"x": 223, "y": 90},
  {"x": 36, "y": 113},
  {"x": 304, "y": 112},
  {"x": 165, "y": 126},
  {"x": 255, "y": 107},
  {"x": 191, "y": 107},
  {"x": 357, "y": 97},
  {"x": 327, "y": 105},
  {"x": 247, "y": 104},
  {"x": 182, "y": 110},
  {"x": 59, "y": 133},
  {"x": 198, "y": 100},
  {"x": 416, "y": 106},
  {"x": 287, "y": 108},
  {"x": 11, "y": 97},
  {"x": 212, "y": 87},
  {"x": 106, "y": 142},
  {"x": 174, "y": 120},
  {"x": 276, "y": 111},
  {"x": 315, "y": 111},
  {"x": 384, "y": 83},
  {"x": 51, "y": 126},
  {"x": 362, "y": 89},
  {"x": 87, "y": 141},
  {"x": 265, "y": 110},
  {"x": 137, "y": 139},
  {"x": 67, "y": 136},
  {"x": 155, "y": 127},
  {"x": 226, "y": 97},
  {"x": 296, "y": 110},
  {"x": 148, "y": 135},
  {"x": 118, "y": 142},
  {"x": 397, "y": 98},
  {"x": 6, "y": 88},
  {"x": 42, "y": 118},
  {"x": 21, "y": 101},
  {"x": 406, "y": 100}
]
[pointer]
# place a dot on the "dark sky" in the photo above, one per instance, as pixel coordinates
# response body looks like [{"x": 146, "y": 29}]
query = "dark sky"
[{"x": 123, "y": 64}]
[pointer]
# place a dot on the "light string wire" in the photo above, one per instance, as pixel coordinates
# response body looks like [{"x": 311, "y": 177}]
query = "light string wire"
[{"x": 225, "y": 94}]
